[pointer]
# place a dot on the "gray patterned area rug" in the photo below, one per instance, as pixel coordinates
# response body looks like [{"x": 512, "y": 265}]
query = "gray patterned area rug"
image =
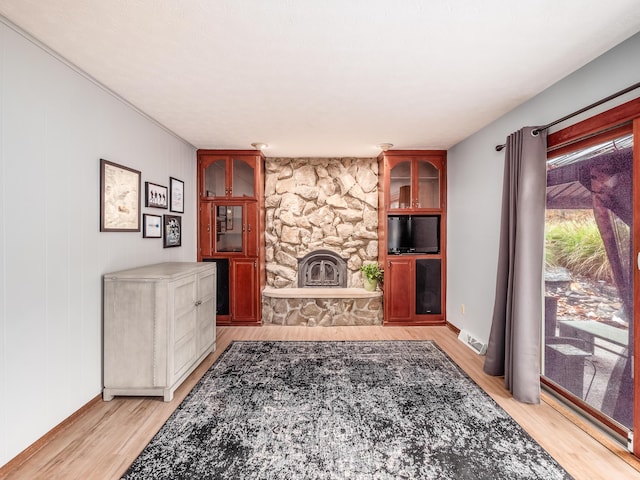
[{"x": 340, "y": 410}]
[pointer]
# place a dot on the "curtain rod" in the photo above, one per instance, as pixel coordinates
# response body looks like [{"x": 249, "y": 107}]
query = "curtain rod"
[{"x": 578, "y": 112}]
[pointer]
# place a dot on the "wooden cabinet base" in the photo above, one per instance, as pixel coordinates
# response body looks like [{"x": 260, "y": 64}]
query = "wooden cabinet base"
[
  {"x": 417, "y": 323},
  {"x": 235, "y": 323},
  {"x": 166, "y": 392}
]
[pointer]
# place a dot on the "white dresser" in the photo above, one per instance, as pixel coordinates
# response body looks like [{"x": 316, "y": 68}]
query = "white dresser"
[{"x": 159, "y": 324}]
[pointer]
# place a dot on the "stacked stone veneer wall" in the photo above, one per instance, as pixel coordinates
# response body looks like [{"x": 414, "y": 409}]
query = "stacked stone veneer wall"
[
  {"x": 322, "y": 312},
  {"x": 319, "y": 203}
]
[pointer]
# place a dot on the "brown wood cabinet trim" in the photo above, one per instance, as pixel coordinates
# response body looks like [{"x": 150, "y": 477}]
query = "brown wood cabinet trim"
[
  {"x": 636, "y": 282},
  {"x": 614, "y": 117}
]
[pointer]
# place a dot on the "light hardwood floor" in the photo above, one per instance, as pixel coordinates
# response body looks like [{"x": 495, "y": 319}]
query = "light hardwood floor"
[{"x": 102, "y": 441}]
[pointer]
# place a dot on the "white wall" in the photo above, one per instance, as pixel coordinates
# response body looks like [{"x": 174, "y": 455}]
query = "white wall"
[
  {"x": 55, "y": 125},
  {"x": 475, "y": 169}
]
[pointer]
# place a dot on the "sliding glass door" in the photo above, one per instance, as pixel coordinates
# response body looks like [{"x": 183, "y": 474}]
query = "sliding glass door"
[{"x": 590, "y": 265}]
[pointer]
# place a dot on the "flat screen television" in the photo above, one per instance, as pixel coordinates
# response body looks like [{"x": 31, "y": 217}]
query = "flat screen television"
[{"x": 413, "y": 234}]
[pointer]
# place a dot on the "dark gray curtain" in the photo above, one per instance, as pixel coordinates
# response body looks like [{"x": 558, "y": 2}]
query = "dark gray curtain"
[{"x": 514, "y": 342}]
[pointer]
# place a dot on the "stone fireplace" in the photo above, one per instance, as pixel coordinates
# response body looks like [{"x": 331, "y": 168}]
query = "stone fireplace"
[{"x": 321, "y": 226}]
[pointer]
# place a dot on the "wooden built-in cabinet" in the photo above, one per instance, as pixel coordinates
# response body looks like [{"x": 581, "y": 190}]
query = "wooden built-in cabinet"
[
  {"x": 231, "y": 230},
  {"x": 412, "y": 235}
]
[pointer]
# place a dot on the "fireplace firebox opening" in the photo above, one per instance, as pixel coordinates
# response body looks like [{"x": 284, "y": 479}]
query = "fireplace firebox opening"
[{"x": 322, "y": 268}]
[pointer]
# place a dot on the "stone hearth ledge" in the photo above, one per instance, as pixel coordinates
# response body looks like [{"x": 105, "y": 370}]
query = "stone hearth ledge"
[
  {"x": 319, "y": 292},
  {"x": 322, "y": 307}
]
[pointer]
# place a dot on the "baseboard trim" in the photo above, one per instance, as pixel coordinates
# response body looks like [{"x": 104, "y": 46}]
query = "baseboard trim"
[
  {"x": 453, "y": 328},
  {"x": 28, "y": 452}
]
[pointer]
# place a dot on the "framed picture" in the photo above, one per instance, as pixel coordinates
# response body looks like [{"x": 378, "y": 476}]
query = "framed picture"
[
  {"x": 176, "y": 189},
  {"x": 155, "y": 195},
  {"x": 151, "y": 226},
  {"x": 172, "y": 231},
  {"x": 119, "y": 198}
]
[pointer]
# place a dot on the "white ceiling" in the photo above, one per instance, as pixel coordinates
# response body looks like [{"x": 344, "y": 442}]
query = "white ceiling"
[{"x": 326, "y": 77}]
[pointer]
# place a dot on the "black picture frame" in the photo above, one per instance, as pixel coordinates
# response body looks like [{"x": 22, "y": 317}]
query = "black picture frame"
[
  {"x": 172, "y": 227},
  {"x": 176, "y": 195},
  {"x": 119, "y": 198},
  {"x": 155, "y": 196},
  {"x": 152, "y": 226}
]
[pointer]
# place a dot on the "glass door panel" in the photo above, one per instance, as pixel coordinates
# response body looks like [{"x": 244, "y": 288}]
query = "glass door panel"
[
  {"x": 229, "y": 228},
  {"x": 588, "y": 335},
  {"x": 428, "y": 185},
  {"x": 214, "y": 179},
  {"x": 242, "y": 179},
  {"x": 400, "y": 185}
]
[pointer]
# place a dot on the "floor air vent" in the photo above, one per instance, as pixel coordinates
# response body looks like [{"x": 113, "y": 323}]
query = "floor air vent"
[{"x": 473, "y": 343}]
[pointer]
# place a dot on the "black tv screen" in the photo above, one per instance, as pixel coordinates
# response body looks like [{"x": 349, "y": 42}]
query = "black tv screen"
[
  {"x": 425, "y": 233},
  {"x": 398, "y": 234},
  {"x": 413, "y": 234}
]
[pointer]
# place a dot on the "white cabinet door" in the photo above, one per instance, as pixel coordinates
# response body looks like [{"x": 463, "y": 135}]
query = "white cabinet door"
[
  {"x": 184, "y": 298},
  {"x": 206, "y": 310}
]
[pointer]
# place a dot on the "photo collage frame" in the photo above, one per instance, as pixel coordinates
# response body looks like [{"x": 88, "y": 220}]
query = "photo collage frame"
[{"x": 120, "y": 204}]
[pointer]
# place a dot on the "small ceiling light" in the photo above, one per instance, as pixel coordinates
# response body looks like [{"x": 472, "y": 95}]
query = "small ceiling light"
[
  {"x": 385, "y": 146},
  {"x": 259, "y": 145}
]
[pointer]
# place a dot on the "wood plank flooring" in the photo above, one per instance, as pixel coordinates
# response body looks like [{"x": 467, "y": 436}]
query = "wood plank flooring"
[{"x": 103, "y": 441}]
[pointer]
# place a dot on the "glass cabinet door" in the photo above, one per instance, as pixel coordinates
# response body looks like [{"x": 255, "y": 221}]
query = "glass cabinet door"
[
  {"x": 428, "y": 185},
  {"x": 242, "y": 179},
  {"x": 229, "y": 228},
  {"x": 215, "y": 179},
  {"x": 400, "y": 185},
  {"x": 414, "y": 184}
]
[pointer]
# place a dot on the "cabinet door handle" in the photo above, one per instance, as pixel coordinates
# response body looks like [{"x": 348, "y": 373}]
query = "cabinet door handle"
[{"x": 249, "y": 227}]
